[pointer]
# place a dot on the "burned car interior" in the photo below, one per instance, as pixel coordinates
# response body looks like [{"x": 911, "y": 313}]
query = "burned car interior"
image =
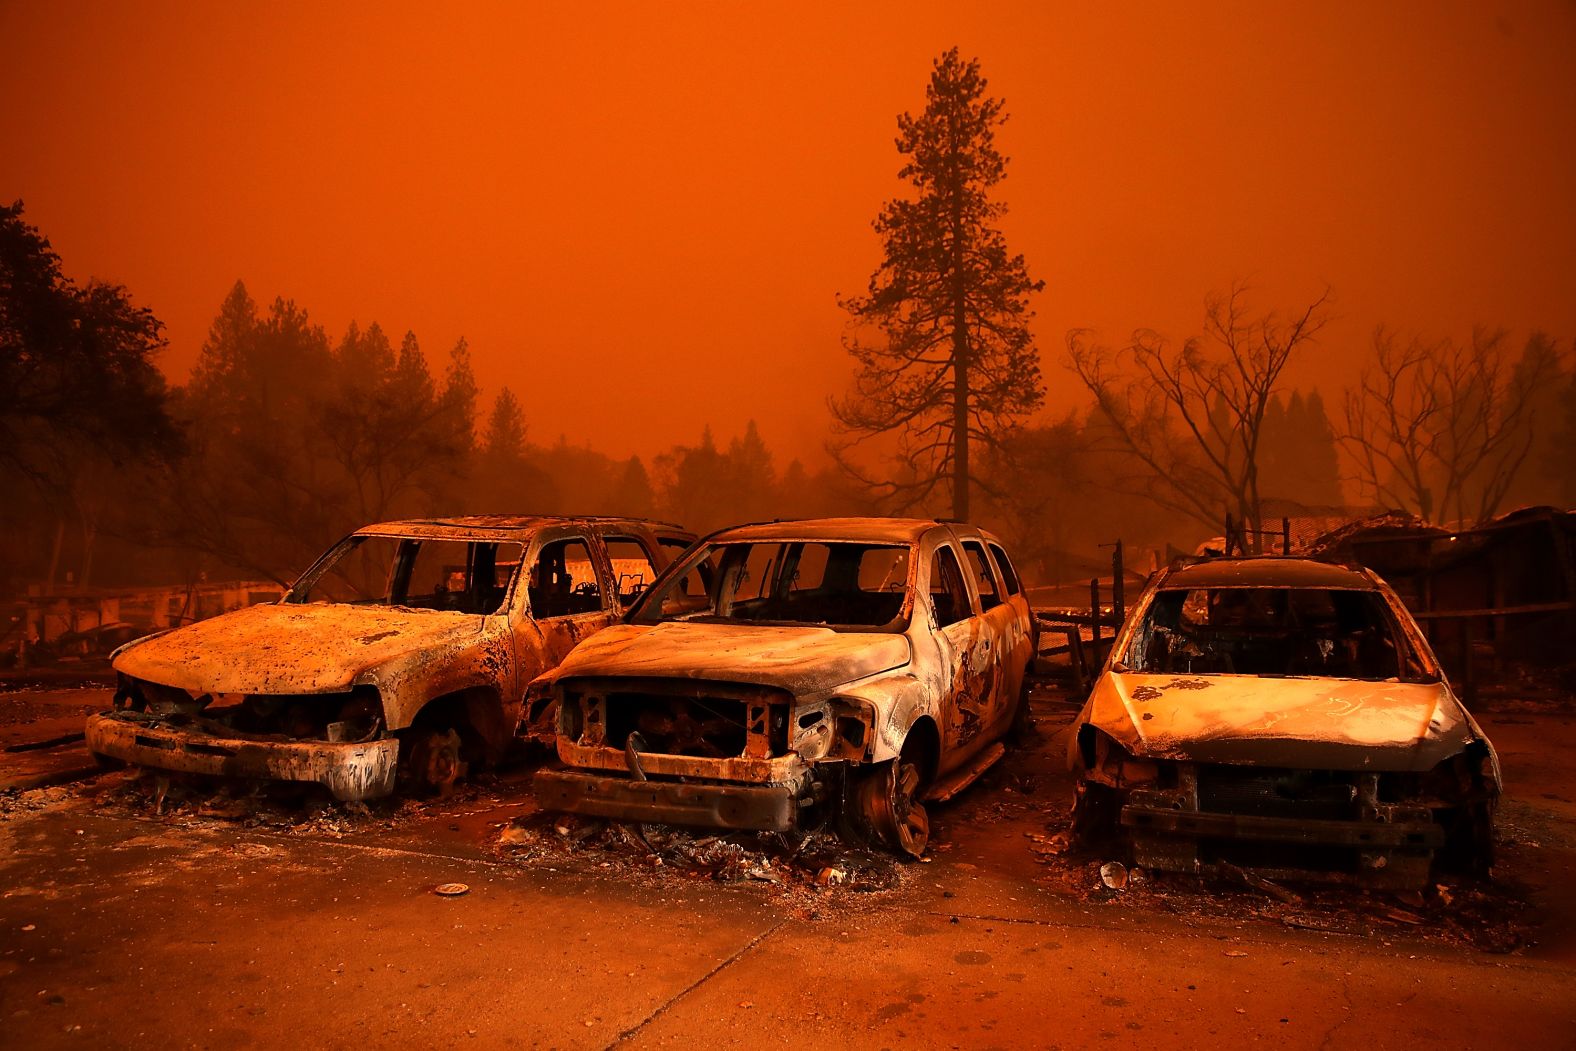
[
  {"x": 841, "y": 585},
  {"x": 414, "y": 573},
  {"x": 563, "y": 582},
  {"x": 1346, "y": 634}
]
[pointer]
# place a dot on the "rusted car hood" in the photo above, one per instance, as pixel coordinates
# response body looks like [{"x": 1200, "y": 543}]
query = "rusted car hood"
[
  {"x": 801, "y": 660},
  {"x": 1338, "y": 724},
  {"x": 289, "y": 648}
]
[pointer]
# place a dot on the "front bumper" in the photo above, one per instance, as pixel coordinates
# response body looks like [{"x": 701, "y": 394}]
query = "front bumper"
[
  {"x": 1390, "y": 846},
  {"x": 1367, "y": 835},
  {"x": 766, "y": 808},
  {"x": 351, "y": 771}
]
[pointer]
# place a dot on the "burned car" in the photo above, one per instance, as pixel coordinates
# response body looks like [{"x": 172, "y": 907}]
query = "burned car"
[
  {"x": 403, "y": 653},
  {"x": 786, "y": 674},
  {"x": 1282, "y": 715}
]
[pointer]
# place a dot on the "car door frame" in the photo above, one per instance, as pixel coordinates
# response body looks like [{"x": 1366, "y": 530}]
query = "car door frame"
[
  {"x": 547, "y": 634},
  {"x": 650, "y": 542},
  {"x": 962, "y": 650},
  {"x": 1010, "y": 648}
]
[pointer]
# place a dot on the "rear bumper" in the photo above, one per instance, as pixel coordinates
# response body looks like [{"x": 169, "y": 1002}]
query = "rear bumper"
[
  {"x": 351, "y": 771},
  {"x": 766, "y": 808}
]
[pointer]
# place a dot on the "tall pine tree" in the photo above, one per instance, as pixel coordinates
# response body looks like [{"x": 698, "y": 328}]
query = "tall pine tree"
[{"x": 956, "y": 363}]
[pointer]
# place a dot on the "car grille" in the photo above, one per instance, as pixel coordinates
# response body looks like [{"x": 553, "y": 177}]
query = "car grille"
[
  {"x": 701, "y": 725},
  {"x": 1262, "y": 792}
]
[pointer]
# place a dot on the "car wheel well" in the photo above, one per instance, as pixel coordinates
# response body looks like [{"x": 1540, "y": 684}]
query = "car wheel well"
[
  {"x": 476, "y": 714},
  {"x": 1088, "y": 738},
  {"x": 922, "y": 747}
]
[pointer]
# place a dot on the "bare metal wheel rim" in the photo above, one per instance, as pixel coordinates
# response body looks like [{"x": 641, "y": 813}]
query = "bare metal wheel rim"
[
  {"x": 892, "y": 807},
  {"x": 436, "y": 760}
]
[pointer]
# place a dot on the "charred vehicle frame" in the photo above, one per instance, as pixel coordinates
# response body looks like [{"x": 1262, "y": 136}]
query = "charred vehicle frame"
[
  {"x": 786, "y": 673},
  {"x": 1283, "y": 715},
  {"x": 401, "y": 655}
]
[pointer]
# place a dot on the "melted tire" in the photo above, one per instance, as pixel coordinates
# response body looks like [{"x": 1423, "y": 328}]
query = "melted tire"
[
  {"x": 431, "y": 764},
  {"x": 1021, "y": 730},
  {"x": 1096, "y": 820}
]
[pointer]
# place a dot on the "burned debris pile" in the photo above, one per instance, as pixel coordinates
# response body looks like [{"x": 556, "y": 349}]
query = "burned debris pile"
[
  {"x": 1488, "y": 915},
  {"x": 813, "y": 861}
]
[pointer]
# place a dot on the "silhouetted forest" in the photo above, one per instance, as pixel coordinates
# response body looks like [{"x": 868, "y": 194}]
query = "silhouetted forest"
[{"x": 285, "y": 437}]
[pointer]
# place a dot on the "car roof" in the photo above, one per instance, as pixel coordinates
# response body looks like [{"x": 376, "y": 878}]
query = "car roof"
[
  {"x": 1270, "y": 571},
  {"x": 873, "y": 530},
  {"x": 506, "y": 527}
]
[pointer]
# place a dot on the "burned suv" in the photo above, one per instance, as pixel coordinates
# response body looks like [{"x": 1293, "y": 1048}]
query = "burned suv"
[
  {"x": 403, "y": 652},
  {"x": 1283, "y": 715},
  {"x": 784, "y": 674}
]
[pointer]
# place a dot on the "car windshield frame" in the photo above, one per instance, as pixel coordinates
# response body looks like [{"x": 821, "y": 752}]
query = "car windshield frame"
[
  {"x": 718, "y": 573},
  {"x": 407, "y": 546},
  {"x": 1414, "y": 661}
]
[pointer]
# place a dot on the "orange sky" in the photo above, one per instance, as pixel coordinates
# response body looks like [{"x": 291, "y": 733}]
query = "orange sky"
[{"x": 640, "y": 216}]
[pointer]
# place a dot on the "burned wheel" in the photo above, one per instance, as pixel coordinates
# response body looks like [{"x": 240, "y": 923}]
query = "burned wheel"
[
  {"x": 1097, "y": 816},
  {"x": 1021, "y": 728},
  {"x": 432, "y": 761},
  {"x": 887, "y": 800},
  {"x": 1469, "y": 839}
]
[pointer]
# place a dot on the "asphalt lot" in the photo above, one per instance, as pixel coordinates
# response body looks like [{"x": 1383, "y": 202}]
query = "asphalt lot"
[{"x": 135, "y": 911}]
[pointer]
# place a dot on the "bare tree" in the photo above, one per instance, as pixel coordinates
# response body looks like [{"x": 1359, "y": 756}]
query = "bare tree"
[
  {"x": 1442, "y": 428},
  {"x": 1192, "y": 416}
]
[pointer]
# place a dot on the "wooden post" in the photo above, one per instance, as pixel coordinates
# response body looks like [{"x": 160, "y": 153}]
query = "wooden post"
[
  {"x": 1228, "y": 533},
  {"x": 1118, "y": 585},
  {"x": 1075, "y": 657},
  {"x": 1285, "y": 536},
  {"x": 1094, "y": 608},
  {"x": 1094, "y": 622},
  {"x": 1468, "y": 665}
]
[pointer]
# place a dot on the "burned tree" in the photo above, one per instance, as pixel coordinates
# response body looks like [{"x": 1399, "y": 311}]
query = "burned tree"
[
  {"x": 1192, "y": 418},
  {"x": 1443, "y": 428},
  {"x": 956, "y": 362}
]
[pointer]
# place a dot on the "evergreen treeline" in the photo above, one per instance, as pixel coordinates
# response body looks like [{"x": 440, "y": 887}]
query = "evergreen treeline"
[
  {"x": 295, "y": 438},
  {"x": 285, "y": 437}
]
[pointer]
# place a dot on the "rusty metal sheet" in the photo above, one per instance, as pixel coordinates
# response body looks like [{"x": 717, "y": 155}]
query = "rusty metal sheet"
[
  {"x": 774, "y": 770},
  {"x": 769, "y": 808},
  {"x": 499, "y": 527}
]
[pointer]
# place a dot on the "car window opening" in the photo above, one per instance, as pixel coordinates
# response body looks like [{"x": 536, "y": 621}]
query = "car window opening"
[
  {"x": 454, "y": 576},
  {"x": 1331, "y": 633},
  {"x": 563, "y": 581},
  {"x": 948, "y": 594},
  {"x": 840, "y": 585}
]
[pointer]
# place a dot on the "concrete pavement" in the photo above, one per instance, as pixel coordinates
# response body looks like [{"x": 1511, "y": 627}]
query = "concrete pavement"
[{"x": 120, "y": 927}]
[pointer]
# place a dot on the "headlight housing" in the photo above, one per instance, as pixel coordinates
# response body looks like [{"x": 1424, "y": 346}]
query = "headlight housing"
[
  {"x": 1107, "y": 762},
  {"x": 810, "y": 732}
]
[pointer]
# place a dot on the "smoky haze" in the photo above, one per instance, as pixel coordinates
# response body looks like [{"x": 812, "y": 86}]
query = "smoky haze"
[{"x": 640, "y": 220}]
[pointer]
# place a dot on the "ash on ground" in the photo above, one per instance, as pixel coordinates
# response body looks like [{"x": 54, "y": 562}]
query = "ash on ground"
[
  {"x": 1491, "y": 915},
  {"x": 815, "y": 862}
]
